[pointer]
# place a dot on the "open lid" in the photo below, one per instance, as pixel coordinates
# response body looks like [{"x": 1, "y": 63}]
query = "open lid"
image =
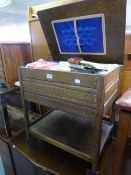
[{"x": 91, "y": 29}]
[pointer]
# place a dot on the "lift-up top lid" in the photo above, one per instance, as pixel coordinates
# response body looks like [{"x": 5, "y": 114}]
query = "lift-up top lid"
[{"x": 91, "y": 29}]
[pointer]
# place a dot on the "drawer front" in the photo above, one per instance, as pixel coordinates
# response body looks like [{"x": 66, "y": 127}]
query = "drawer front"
[
  {"x": 62, "y": 105},
  {"x": 76, "y": 79},
  {"x": 78, "y": 96}
]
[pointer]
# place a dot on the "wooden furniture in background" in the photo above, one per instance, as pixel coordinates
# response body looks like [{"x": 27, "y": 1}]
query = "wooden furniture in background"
[
  {"x": 13, "y": 55},
  {"x": 5, "y": 127},
  {"x": 39, "y": 45},
  {"x": 123, "y": 105},
  {"x": 126, "y": 77}
]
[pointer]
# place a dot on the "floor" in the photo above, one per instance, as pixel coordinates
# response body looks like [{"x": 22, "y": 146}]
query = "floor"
[
  {"x": 56, "y": 160},
  {"x": 126, "y": 168},
  {"x": 70, "y": 164},
  {"x": 107, "y": 161}
]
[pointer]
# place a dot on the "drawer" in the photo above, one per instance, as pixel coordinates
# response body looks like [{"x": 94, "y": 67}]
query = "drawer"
[
  {"x": 81, "y": 96},
  {"x": 69, "y": 78}
]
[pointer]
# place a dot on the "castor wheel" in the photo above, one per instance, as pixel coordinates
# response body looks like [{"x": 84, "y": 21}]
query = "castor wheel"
[{"x": 33, "y": 141}]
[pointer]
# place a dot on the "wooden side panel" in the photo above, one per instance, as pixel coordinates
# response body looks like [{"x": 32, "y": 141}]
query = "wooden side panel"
[
  {"x": 39, "y": 45},
  {"x": 14, "y": 55},
  {"x": 112, "y": 81},
  {"x": 113, "y": 88},
  {"x": 112, "y": 76},
  {"x": 109, "y": 102}
]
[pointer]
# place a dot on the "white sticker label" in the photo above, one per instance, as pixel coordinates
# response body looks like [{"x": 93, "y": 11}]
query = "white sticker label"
[
  {"x": 77, "y": 81},
  {"x": 49, "y": 76}
]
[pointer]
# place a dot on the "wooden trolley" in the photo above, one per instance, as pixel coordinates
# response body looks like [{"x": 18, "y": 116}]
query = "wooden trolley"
[
  {"x": 79, "y": 100},
  {"x": 76, "y": 124}
]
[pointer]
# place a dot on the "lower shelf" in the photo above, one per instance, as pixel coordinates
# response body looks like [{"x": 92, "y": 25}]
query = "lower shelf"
[{"x": 70, "y": 133}]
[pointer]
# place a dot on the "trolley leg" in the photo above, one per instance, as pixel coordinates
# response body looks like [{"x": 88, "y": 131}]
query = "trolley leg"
[
  {"x": 26, "y": 118},
  {"x": 5, "y": 117}
]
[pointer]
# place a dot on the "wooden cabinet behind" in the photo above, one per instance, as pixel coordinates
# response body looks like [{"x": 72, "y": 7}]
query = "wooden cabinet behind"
[
  {"x": 13, "y": 55},
  {"x": 126, "y": 78},
  {"x": 39, "y": 45}
]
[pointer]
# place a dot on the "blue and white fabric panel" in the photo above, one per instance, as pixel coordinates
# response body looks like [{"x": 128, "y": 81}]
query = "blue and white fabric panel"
[{"x": 81, "y": 35}]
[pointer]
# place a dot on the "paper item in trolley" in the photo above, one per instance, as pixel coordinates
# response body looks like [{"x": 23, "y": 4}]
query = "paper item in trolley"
[{"x": 98, "y": 66}]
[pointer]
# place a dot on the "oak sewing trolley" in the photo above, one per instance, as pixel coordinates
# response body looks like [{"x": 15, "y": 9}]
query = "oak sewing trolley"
[
  {"x": 79, "y": 100},
  {"x": 76, "y": 123}
]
